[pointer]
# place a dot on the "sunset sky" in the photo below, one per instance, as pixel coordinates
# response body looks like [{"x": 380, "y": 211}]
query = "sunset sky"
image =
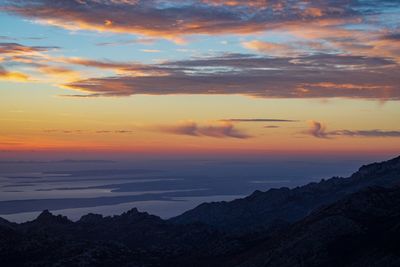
[{"x": 199, "y": 77}]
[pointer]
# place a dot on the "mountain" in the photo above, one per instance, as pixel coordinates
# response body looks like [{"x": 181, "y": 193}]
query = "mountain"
[
  {"x": 133, "y": 237},
  {"x": 263, "y": 210},
  {"x": 351, "y": 221},
  {"x": 363, "y": 229}
]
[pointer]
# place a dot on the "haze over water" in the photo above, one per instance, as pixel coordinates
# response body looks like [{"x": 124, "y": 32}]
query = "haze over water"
[{"x": 164, "y": 187}]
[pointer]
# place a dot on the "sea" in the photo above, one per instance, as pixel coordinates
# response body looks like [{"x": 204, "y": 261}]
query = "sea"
[{"x": 164, "y": 186}]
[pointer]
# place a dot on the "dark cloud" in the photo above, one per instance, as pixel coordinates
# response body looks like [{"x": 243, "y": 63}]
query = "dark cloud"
[
  {"x": 392, "y": 36},
  {"x": 271, "y": 126},
  {"x": 224, "y": 130},
  {"x": 318, "y": 130},
  {"x": 169, "y": 18},
  {"x": 312, "y": 76}
]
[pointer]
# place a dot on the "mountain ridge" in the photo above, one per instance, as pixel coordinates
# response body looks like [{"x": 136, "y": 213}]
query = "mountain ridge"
[{"x": 284, "y": 204}]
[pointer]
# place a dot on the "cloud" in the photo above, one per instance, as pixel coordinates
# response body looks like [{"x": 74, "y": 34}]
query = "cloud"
[
  {"x": 366, "y": 133},
  {"x": 150, "y": 50},
  {"x": 221, "y": 130},
  {"x": 318, "y": 130},
  {"x": 258, "y": 120},
  {"x": 271, "y": 126},
  {"x": 292, "y": 48},
  {"x": 251, "y": 3},
  {"x": 392, "y": 36},
  {"x": 13, "y": 75},
  {"x": 171, "y": 18},
  {"x": 308, "y": 76},
  {"x": 329, "y": 48},
  {"x": 216, "y": 130},
  {"x": 133, "y": 68},
  {"x": 141, "y": 40},
  {"x": 312, "y": 27},
  {"x": 50, "y": 131},
  {"x": 114, "y": 131},
  {"x": 269, "y": 48},
  {"x": 102, "y": 64},
  {"x": 34, "y": 60},
  {"x": 39, "y": 63},
  {"x": 15, "y": 48},
  {"x": 3, "y": 37},
  {"x": 64, "y": 73}
]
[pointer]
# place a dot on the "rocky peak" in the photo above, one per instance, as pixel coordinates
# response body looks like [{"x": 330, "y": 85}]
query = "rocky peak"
[
  {"x": 135, "y": 215},
  {"x": 47, "y": 217}
]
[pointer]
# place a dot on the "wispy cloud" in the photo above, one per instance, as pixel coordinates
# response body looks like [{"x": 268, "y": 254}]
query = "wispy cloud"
[
  {"x": 8, "y": 38},
  {"x": 142, "y": 40},
  {"x": 319, "y": 130},
  {"x": 259, "y": 120},
  {"x": 77, "y": 131},
  {"x": 16, "y": 48},
  {"x": 366, "y": 133},
  {"x": 40, "y": 65},
  {"x": 150, "y": 50},
  {"x": 34, "y": 61}
]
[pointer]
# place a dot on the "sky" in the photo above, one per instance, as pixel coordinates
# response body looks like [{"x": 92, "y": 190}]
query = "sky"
[{"x": 199, "y": 77}]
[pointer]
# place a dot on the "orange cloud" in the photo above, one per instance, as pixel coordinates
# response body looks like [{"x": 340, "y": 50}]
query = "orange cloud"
[
  {"x": 13, "y": 49},
  {"x": 269, "y": 48},
  {"x": 13, "y": 76},
  {"x": 248, "y": 3}
]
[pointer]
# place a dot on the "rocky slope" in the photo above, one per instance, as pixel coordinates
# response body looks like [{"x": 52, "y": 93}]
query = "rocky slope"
[
  {"x": 363, "y": 229},
  {"x": 263, "y": 210}
]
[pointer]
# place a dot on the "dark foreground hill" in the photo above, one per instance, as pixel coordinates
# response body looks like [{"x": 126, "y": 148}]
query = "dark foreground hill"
[
  {"x": 351, "y": 221},
  {"x": 362, "y": 229}
]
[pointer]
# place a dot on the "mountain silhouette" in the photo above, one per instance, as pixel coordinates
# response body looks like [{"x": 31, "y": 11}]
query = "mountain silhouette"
[{"x": 262, "y": 210}]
